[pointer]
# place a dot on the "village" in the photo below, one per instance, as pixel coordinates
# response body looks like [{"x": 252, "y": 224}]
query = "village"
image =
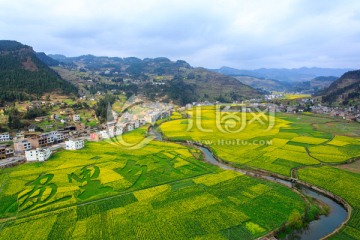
[
  {"x": 294, "y": 106},
  {"x": 30, "y": 145}
]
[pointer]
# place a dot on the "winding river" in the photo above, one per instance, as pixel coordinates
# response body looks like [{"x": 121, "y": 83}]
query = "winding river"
[{"x": 316, "y": 229}]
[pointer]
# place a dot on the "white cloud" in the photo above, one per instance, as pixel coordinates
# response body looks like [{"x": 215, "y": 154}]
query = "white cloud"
[{"x": 212, "y": 33}]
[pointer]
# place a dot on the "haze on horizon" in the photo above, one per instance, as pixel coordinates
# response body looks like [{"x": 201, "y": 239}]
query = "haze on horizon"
[{"x": 209, "y": 33}]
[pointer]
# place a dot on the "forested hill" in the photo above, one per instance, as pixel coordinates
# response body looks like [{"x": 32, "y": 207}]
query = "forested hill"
[
  {"x": 345, "y": 90},
  {"x": 24, "y": 76}
]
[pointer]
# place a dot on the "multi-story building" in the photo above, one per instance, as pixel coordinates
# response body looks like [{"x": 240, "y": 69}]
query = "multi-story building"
[
  {"x": 4, "y": 137},
  {"x": 76, "y": 117},
  {"x": 130, "y": 126},
  {"x": 119, "y": 130},
  {"x": 20, "y": 135},
  {"x": 80, "y": 127},
  {"x": 21, "y": 146},
  {"x": 32, "y": 128},
  {"x": 74, "y": 144},
  {"x": 108, "y": 133},
  {"x": 9, "y": 152},
  {"x": 136, "y": 123},
  {"x": 53, "y": 137},
  {"x": 39, "y": 154},
  {"x": 2, "y": 152}
]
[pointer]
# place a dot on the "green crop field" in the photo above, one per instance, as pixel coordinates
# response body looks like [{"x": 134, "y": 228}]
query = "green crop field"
[
  {"x": 161, "y": 191},
  {"x": 343, "y": 183},
  {"x": 291, "y": 141},
  {"x": 294, "y": 140}
]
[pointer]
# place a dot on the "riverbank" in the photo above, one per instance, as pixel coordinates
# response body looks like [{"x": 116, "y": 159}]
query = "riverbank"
[{"x": 287, "y": 181}]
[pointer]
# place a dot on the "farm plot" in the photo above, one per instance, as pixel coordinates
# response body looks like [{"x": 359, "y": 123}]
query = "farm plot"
[
  {"x": 278, "y": 146},
  {"x": 161, "y": 191},
  {"x": 230, "y": 202},
  {"x": 342, "y": 183}
]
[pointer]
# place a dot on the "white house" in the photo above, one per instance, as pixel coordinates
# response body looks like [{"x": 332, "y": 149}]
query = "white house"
[
  {"x": 39, "y": 154},
  {"x": 119, "y": 130},
  {"x": 4, "y": 137},
  {"x": 20, "y": 135},
  {"x": 109, "y": 133},
  {"x": 130, "y": 126},
  {"x": 136, "y": 124},
  {"x": 32, "y": 128},
  {"x": 152, "y": 117},
  {"x": 76, "y": 117},
  {"x": 142, "y": 122},
  {"x": 74, "y": 144}
]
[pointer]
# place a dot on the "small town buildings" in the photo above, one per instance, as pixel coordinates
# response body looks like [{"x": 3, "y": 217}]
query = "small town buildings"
[
  {"x": 32, "y": 128},
  {"x": 105, "y": 134},
  {"x": 2, "y": 153},
  {"x": 136, "y": 124},
  {"x": 152, "y": 117},
  {"x": 65, "y": 112},
  {"x": 54, "y": 135},
  {"x": 40, "y": 119},
  {"x": 20, "y": 135},
  {"x": 46, "y": 139},
  {"x": 95, "y": 136},
  {"x": 130, "y": 126},
  {"x": 119, "y": 130},
  {"x": 37, "y": 141},
  {"x": 188, "y": 106},
  {"x": 9, "y": 152},
  {"x": 111, "y": 131},
  {"x": 4, "y": 137},
  {"x": 73, "y": 144},
  {"x": 21, "y": 146},
  {"x": 142, "y": 122},
  {"x": 76, "y": 118},
  {"x": 80, "y": 127},
  {"x": 54, "y": 117},
  {"x": 39, "y": 154}
]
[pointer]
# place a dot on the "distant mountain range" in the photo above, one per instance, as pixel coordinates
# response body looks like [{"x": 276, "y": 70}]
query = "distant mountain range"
[
  {"x": 283, "y": 74},
  {"x": 24, "y": 76},
  {"x": 344, "y": 91},
  {"x": 264, "y": 84},
  {"x": 158, "y": 78},
  {"x": 304, "y": 80}
]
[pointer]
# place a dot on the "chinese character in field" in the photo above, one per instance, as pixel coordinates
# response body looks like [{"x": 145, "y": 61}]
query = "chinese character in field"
[
  {"x": 39, "y": 196},
  {"x": 89, "y": 186}
]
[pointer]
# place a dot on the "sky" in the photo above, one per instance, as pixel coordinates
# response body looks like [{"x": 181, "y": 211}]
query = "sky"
[{"x": 209, "y": 33}]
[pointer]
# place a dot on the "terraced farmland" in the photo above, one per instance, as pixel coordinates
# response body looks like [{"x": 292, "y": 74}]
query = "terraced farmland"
[{"x": 157, "y": 192}]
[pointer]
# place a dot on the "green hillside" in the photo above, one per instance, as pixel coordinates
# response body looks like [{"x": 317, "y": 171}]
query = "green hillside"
[
  {"x": 345, "y": 90},
  {"x": 156, "y": 78},
  {"x": 24, "y": 76}
]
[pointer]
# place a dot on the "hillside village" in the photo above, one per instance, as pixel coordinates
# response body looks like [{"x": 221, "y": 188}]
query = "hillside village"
[
  {"x": 67, "y": 129},
  {"x": 29, "y": 144}
]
